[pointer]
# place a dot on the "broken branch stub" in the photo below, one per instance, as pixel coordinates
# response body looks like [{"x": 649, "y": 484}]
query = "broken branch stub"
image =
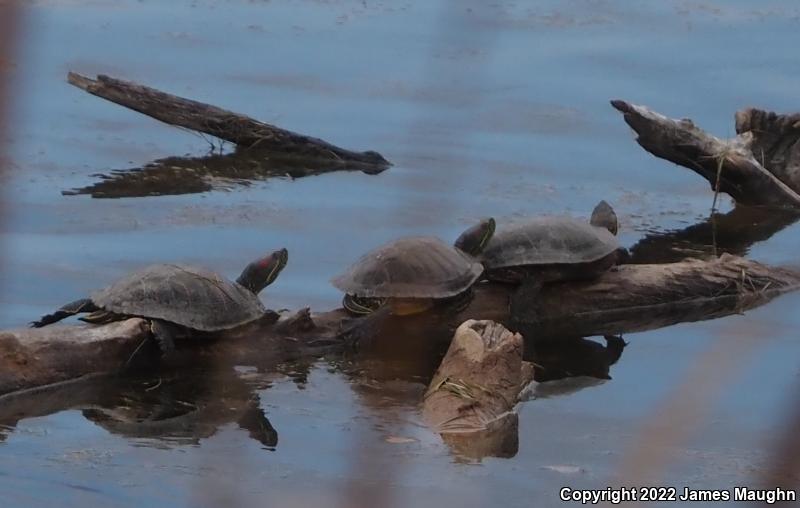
[
  {"x": 730, "y": 166},
  {"x": 470, "y": 401},
  {"x": 774, "y": 141}
]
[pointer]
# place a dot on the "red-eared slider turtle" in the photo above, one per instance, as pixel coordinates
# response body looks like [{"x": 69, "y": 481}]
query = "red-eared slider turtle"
[
  {"x": 547, "y": 249},
  {"x": 412, "y": 274},
  {"x": 192, "y": 298},
  {"x": 553, "y": 248}
]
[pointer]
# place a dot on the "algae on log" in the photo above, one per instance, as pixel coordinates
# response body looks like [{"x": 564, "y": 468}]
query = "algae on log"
[
  {"x": 760, "y": 166},
  {"x": 470, "y": 400},
  {"x": 239, "y": 129},
  {"x": 630, "y": 298}
]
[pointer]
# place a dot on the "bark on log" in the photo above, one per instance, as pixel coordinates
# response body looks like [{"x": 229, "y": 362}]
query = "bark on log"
[
  {"x": 239, "y": 129},
  {"x": 760, "y": 166},
  {"x": 637, "y": 298},
  {"x": 631, "y": 298},
  {"x": 471, "y": 398}
]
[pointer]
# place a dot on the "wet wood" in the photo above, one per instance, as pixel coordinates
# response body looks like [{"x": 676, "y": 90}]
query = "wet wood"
[
  {"x": 41, "y": 356},
  {"x": 243, "y": 131},
  {"x": 470, "y": 400},
  {"x": 637, "y": 298},
  {"x": 760, "y": 166},
  {"x": 631, "y": 298}
]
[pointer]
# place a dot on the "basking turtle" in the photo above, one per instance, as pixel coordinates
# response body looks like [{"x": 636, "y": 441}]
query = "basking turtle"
[
  {"x": 554, "y": 248},
  {"x": 174, "y": 297},
  {"x": 413, "y": 274}
]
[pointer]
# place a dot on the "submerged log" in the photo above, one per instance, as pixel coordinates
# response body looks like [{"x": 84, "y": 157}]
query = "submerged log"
[
  {"x": 243, "y": 131},
  {"x": 470, "y": 401},
  {"x": 760, "y": 166},
  {"x": 630, "y": 298}
]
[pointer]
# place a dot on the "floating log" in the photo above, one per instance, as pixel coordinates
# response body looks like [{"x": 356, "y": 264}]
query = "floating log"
[
  {"x": 760, "y": 166},
  {"x": 630, "y": 298},
  {"x": 241, "y": 130},
  {"x": 636, "y": 298},
  {"x": 470, "y": 400}
]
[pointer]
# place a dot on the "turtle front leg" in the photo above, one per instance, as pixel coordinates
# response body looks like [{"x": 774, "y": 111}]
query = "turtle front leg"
[
  {"x": 362, "y": 333},
  {"x": 70, "y": 309},
  {"x": 164, "y": 333}
]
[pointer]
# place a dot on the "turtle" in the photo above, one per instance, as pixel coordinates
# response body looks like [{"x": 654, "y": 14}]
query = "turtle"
[
  {"x": 552, "y": 248},
  {"x": 412, "y": 274},
  {"x": 177, "y": 298}
]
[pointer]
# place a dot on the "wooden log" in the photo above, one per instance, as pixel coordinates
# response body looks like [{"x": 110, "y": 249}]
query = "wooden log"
[
  {"x": 470, "y": 400},
  {"x": 635, "y": 298},
  {"x": 241, "y": 130},
  {"x": 630, "y": 298},
  {"x": 774, "y": 140},
  {"x": 754, "y": 169},
  {"x": 41, "y": 356}
]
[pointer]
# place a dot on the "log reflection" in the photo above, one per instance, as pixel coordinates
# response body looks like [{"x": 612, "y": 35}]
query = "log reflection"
[
  {"x": 177, "y": 409},
  {"x": 191, "y": 175},
  {"x": 734, "y": 233}
]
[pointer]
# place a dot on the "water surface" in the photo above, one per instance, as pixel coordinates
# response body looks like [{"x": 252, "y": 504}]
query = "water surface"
[{"x": 486, "y": 109}]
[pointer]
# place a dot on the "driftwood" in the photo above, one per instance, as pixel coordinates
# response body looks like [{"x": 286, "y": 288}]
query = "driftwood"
[
  {"x": 631, "y": 298},
  {"x": 263, "y": 142},
  {"x": 471, "y": 398},
  {"x": 760, "y": 166},
  {"x": 637, "y": 298}
]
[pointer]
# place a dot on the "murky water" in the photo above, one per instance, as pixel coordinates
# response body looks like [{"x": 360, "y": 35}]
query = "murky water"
[{"x": 486, "y": 109}]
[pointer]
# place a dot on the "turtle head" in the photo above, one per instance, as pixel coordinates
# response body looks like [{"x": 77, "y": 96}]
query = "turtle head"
[
  {"x": 263, "y": 272},
  {"x": 474, "y": 240},
  {"x": 603, "y": 216}
]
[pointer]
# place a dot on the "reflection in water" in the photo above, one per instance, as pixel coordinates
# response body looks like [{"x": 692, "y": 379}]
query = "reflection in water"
[
  {"x": 733, "y": 233},
  {"x": 407, "y": 351},
  {"x": 177, "y": 408},
  {"x": 184, "y": 407},
  {"x": 190, "y": 175},
  {"x": 574, "y": 357}
]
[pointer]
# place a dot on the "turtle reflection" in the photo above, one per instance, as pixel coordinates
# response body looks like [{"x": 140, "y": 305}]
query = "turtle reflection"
[
  {"x": 183, "y": 409},
  {"x": 176, "y": 408}
]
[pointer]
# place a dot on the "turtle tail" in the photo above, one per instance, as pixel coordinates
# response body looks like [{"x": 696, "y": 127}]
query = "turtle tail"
[{"x": 70, "y": 309}]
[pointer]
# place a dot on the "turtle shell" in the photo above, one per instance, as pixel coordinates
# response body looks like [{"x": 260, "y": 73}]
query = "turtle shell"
[
  {"x": 185, "y": 295},
  {"x": 548, "y": 241},
  {"x": 413, "y": 267}
]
